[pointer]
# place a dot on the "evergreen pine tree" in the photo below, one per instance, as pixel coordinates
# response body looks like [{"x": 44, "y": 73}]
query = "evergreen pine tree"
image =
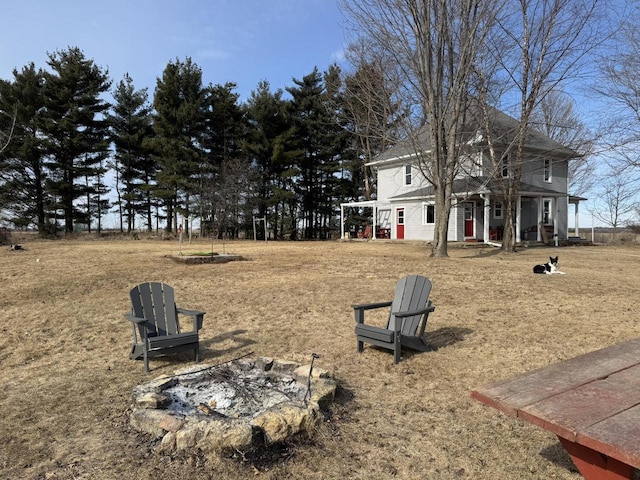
[
  {"x": 134, "y": 166},
  {"x": 76, "y": 131},
  {"x": 313, "y": 124},
  {"x": 178, "y": 128},
  {"x": 22, "y": 170},
  {"x": 266, "y": 147},
  {"x": 224, "y": 177}
]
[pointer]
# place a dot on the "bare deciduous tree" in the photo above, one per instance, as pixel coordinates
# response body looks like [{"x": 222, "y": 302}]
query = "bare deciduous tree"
[
  {"x": 372, "y": 112},
  {"x": 621, "y": 70},
  {"x": 618, "y": 198},
  {"x": 557, "y": 118},
  {"x": 550, "y": 40},
  {"x": 434, "y": 46}
]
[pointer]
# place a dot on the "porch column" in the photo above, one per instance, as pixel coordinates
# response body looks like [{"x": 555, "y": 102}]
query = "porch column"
[
  {"x": 518, "y": 218},
  {"x": 577, "y": 221},
  {"x": 374, "y": 209},
  {"x": 539, "y": 226},
  {"x": 556, "y": 209},
  {"x": 487, "y": 217}
]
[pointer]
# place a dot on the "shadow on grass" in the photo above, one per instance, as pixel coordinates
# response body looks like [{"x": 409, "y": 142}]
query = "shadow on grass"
[
  {"x": 556, "y": 454},
  {"x": 446, "y": 336},
  {"x": 440, "y": 338},
  {"x": 482, "y": 253},
  {"x": 235, "y": 336}
]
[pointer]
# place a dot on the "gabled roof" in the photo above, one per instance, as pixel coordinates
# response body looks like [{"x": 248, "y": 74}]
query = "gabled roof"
[
  {"x": 477, "y": 185},
  {"x": 503, "y": 130}
]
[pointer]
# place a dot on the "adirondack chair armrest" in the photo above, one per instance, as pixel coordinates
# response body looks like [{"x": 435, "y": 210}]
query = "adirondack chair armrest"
[
  {"x": 132, "y": 318},
  {"x": 137, "y": 330},
  {"x": 198, "y": 317},
  {"x": 370, "y": 306},
  {"x": 358, "y": 310},
  {"x": 428, "y": 309}
]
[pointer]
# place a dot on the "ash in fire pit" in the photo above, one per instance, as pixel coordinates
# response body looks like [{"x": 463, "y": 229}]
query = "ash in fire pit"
[
  {"x": 232, "y": 405},
  {"x": 233, "y": 391}
]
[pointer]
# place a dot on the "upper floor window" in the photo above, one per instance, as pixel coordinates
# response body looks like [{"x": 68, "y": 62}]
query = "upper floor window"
[
  {"x": 497, "y": 210},
  {"x": 547, "y": 170},
  {"x": 407, "y": 175},
  {"x": 505, "y": 163},
  {"x": 428, "y": 214}
]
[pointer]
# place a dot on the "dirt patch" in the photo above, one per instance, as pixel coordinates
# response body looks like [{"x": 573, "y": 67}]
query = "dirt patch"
[
  {"x": 66, "y": 377},
  {"x": 204, "y": 259}
]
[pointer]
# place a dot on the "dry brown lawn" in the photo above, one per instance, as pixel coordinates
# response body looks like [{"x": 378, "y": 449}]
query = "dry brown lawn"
[{"x": 66, "y": 378}]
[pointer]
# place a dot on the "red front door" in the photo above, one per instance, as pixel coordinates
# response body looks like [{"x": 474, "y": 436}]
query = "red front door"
[
  {"x": 400, "y": 223},
  {"x": 469, "y": 219}
]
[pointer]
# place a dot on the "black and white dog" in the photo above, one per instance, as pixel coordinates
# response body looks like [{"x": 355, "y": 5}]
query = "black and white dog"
[{"x": 550, "y": 268}]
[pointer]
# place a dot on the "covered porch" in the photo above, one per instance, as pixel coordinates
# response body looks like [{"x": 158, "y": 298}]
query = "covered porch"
[
  {"x": 375, "y": 227},
  {"x": 540, "y": 217}
]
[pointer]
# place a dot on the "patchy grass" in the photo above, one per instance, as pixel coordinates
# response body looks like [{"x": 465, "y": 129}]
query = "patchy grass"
[{"x": 66, "y": 377}]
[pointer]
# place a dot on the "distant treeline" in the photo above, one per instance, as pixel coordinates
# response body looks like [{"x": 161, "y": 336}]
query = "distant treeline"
[{"x": 69, "y": 156}]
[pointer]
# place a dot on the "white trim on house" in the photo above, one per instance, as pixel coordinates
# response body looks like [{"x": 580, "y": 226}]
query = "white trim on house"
[
  {"x": 426, "y": 207},
  {"x": 399, "y": 159}
]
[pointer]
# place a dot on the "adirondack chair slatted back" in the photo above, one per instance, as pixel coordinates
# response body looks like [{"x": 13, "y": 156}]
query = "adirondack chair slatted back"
[
  {"x": 155, "y": 302},
  {"x": 412, "y": 293}
]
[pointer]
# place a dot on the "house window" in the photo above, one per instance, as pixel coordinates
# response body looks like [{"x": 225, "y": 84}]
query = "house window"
[
  {"x": 407, "y": 175},
  {"x": 547, "y": 212},
  {"x": 428, "y": 214},
  {"x": 547, "y": 170},
  {"x": 506, "y": 166},
  {"x": 497, "y": 210}
]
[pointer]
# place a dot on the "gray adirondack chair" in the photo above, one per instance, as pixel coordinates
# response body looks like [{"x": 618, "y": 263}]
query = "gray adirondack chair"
[
  {"x": 155, "y": 322},
  {"x": 408, "y": 315}
]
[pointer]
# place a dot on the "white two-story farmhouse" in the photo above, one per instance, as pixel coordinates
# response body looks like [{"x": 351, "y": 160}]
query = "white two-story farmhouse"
[{"x": 404, "y": 208}]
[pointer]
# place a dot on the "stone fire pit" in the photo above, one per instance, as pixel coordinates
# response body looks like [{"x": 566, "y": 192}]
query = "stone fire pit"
[{"x": 233, "y": 405}]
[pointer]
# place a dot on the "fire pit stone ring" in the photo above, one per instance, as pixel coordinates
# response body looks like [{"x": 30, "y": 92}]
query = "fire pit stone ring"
[{"x": 232, "y": 405}]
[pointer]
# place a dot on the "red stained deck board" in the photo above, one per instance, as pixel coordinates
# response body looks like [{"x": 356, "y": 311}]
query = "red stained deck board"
[
  {"x": 617, "y": 437},
  {"x": 511, "y": 395},
  {"x": 575, "y": 410}
]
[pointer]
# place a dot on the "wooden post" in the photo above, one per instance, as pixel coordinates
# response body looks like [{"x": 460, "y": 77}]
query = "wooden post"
[{"x": 255, "y": 234}]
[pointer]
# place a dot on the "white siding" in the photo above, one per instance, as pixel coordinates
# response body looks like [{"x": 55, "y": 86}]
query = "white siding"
[
  {"x": 391, "y": 181},
  {"x": 414, "y": 229}
]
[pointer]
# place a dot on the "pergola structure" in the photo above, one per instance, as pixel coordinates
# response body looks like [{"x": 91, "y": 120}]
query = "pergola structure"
[{"x": 373, "y": 204}]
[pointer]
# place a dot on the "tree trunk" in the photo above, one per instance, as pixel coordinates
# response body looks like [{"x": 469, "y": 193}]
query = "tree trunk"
[
  {"x": 439, "y": 247},
  {"x": 508, "y": 236}
]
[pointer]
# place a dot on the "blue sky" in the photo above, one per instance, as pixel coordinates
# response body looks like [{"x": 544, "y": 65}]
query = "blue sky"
[{"x": 241, "y": 41}]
